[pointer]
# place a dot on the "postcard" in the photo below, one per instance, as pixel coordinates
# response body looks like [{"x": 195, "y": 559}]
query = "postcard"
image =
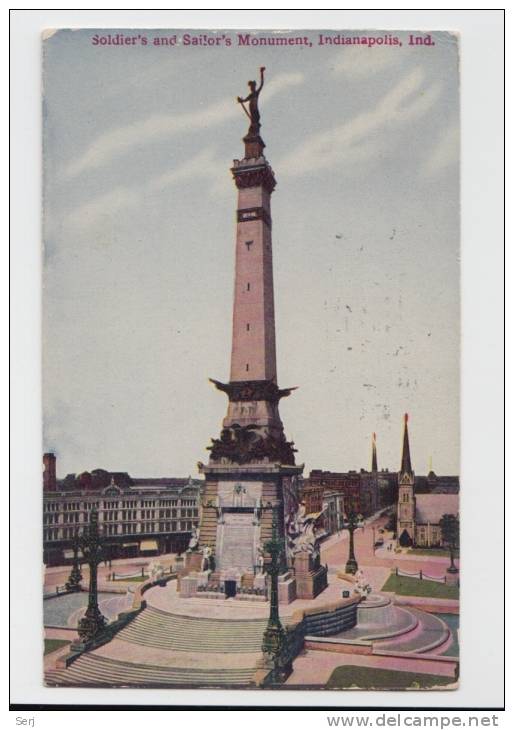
[{"x": 251, "y": 330}]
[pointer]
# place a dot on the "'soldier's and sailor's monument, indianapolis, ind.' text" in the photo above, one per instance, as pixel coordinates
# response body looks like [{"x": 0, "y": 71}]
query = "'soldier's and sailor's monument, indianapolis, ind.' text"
[{"x": 251, "y": 470}]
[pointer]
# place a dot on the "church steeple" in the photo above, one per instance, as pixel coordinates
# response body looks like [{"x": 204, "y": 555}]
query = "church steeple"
[
  {"x": 406, "y": 513},
  {"x": 374, "y": 465},
  {"x": 406, "y": 467}
]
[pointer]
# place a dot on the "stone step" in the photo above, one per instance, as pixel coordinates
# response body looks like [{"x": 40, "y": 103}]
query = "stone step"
[
  {"x": 150, "y": 631},
  {"x": 429, "y": 634},
  {"x": 149, "y": 628},
  {"x": 95, "y": 670},
  {"x": 174, "y": 646},
  {"x": 228, "y": 623},
  {"x": 156, "y": 628},
  {"x": 206, "y": 639},
  {"x": 188, "y": 628},
  {"x": 108, "y": 674}
]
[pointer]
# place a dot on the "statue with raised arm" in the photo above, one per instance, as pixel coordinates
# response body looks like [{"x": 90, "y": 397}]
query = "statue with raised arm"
[{"x": 253, "y": 104}]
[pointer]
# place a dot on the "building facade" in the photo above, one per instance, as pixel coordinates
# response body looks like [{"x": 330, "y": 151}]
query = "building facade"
[
  {"x": 136, "y": 516},
  {"x": 339, "y": 493},
  {"x": 320, "y": 484},
  {"x": 333, "y": 511}
]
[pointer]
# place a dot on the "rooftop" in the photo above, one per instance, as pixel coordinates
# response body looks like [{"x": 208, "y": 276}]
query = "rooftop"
[{"x": 431, "y": 507}]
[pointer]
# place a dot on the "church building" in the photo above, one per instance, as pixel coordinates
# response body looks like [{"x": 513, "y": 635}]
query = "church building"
[{"x": 418, "y": 515}]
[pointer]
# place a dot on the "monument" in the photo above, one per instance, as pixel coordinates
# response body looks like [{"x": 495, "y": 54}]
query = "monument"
[{"x": 252, "y": 467}]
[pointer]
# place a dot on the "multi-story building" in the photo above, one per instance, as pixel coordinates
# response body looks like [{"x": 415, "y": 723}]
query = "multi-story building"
[
  {"x": 339, "y": 493},
  {"x": 136, "y": 516},
  {"x": 333, "y": 511},
  {"x": 321, "y": 483}
]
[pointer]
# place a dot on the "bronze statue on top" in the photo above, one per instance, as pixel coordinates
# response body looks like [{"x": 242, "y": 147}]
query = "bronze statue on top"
[{"x": 253, "y": 105}]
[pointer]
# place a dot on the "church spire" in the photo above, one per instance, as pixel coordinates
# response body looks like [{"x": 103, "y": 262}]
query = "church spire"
[
  {"x": 406, "y": 467},
  {"x": 374, "y": 465}
]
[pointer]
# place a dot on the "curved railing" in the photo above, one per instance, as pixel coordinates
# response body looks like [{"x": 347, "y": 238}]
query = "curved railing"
[{"x": 420, "y": 575}]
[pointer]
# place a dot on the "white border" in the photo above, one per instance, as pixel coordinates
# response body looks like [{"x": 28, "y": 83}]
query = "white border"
[{"x": 482, "y": 374}]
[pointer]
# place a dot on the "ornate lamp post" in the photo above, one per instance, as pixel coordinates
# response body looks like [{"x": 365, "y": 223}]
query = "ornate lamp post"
[
  {"x": 93, "y": 622},
  {"x": 274, "y": 635},
  {"x": 75, "y": 577},
  {"x": 351, "y": 522}
]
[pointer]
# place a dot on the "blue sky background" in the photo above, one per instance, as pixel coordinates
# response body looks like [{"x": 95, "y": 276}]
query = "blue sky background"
[{"x": 139, "y": 248}]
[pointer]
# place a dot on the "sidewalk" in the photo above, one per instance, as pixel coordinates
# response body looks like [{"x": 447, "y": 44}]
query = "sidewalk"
[
  {"x": 342, "y": 535},
  {"x": 167, "y": 558}
]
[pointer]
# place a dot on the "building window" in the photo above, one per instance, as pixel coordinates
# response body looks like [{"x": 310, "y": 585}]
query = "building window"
[
  {"x": 248, "y": 286},
  {"x": 248, "y": 327},
  {"x": 247, "y": 367},
  {"x": 248, "y": 244}
]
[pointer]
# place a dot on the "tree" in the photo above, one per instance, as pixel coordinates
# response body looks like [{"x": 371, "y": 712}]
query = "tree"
[
  {"x": 390, "y": 525},
  {"x": 450, "y": 530}
]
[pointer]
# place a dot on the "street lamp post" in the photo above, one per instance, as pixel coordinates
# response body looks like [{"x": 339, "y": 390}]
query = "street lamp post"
[
  {"x": 93, "y": 622},
  {"x": 351, "y": 523},
  {"x": 75, "y": 577},
  {"x": 274, "y": 635},
  {"x": 453, "y": 568}
]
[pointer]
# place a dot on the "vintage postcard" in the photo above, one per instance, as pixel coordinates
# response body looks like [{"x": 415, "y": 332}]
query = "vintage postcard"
[{"x": 251, "y": 359}]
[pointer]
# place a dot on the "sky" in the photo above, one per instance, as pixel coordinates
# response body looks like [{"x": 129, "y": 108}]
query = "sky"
[{"x": 139, "y": 236}]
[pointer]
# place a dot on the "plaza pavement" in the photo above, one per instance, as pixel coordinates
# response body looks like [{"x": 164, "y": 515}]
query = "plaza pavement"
[
  {"x": 315, "y": 667},
  {"x": 334, "y": 553},
  {"x": 58, "y": 575},
  {"x": 167, "y": 599}
]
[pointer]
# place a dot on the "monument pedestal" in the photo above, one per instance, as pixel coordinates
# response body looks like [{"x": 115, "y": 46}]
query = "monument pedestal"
[
  {"x": 248, "y": 580},
  {"x": 287, "y": 588},
  {"x": 193, "y": 562},
  {"x": 259, "y": 581},
  {"x": 189, "y": 583},
  {"x": 188, "y": 586},
  {"x": 311, "y": 576}
]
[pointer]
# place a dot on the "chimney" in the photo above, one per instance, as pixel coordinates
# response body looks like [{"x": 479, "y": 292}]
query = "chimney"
[{"x": 49, "y": 478}]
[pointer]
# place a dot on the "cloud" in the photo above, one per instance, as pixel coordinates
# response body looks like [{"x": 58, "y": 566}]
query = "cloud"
[
  {"x": 358, "y": 138},
  {"x": 359, "y": 61},
  {"x": 444, "y": 153},
  {"x": 161, "y": 126},
  {"x": 203, "y": 165},
  {"x": 102, "y": 206},
  {"x": 98, "y": 209}
]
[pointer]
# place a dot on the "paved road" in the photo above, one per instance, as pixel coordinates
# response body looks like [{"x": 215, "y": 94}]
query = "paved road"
[
  {"x": 335, "y": 554},
  {"x": 58, "y": 575}
]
